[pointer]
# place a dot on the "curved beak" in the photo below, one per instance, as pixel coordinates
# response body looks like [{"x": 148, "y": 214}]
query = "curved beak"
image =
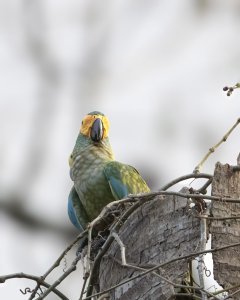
[{"x": 96, "y": 133}]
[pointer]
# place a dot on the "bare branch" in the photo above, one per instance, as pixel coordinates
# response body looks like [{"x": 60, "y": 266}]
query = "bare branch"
[
  {"x": 39, "y": 280},
  {"x": 61, "y": 278},
  {"x": 187, "y": 295},
  {"x": 85, "y": 278},
  {"x": 218, "y": 218},
  {"x": 122, "y": 247},
  {"x": 57, "y": 262},
  {"x": 203, "y": 189},
  {"x": 88, "y": 267},
  {"x": 212, "y": 149},
  {"x": 150, "y": 196},
  {"x": 185, "y": 177}
]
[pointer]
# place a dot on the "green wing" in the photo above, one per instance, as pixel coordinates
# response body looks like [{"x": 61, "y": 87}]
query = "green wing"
[{"x": 124, "y": 179}]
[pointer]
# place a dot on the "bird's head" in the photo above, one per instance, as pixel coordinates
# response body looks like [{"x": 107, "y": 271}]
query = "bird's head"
[
  {"x": 95, "y": 126},
  {"x": 93, "y": 133}
]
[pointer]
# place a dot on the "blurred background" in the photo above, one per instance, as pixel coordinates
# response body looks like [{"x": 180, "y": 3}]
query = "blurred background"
[{"x": 156, "y": 68}]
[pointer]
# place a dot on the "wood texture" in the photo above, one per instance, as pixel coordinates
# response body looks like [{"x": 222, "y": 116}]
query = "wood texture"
[
  {"x": 226, "y": 183},
  {"x": 158, "y": 231}
]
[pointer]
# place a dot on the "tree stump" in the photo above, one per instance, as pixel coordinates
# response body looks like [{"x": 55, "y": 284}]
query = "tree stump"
[
  {"x": 157, "y": 232},
  {"x": 226, "y": 183}
]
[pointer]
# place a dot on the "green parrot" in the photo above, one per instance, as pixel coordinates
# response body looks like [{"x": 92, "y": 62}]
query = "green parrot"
[{"x": 98, "y": 178}]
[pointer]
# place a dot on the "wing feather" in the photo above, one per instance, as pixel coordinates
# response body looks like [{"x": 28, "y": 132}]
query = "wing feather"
[
  {"x": 76, "y": 211},
  {"x": 124, "y": 180}
]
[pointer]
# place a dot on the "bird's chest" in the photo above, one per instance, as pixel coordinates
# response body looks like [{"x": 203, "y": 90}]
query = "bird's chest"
[{"x": 93, "y": 188}]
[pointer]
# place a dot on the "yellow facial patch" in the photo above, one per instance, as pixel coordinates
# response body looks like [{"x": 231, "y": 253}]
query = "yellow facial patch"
[{"x": 88, "y": 122}]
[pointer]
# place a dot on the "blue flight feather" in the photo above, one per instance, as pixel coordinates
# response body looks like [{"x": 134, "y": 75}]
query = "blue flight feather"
[
  {"x": 119, "y": 189},
  {"x": 71, "y": 211}
]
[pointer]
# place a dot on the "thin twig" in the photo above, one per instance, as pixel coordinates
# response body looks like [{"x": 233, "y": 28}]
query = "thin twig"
[
  {"x": 61, "y": 278},
  {"x": 104, "y": 297},
  {"x": 88, "y": 266},
  {"x": 218, "y": 219},
  {"x": 83, "y": 287},
  {"x": 39, "y": 280},
  {"x": 187, "y": 295},
  {"x": 212, "y": 149},
  {"x": 108, "y": 208},
  {"x": 185, "y": 177},
  {"x": 151, "y": 195},
  {"x": 57, "y": 262},
  {"x": 122, "y": 247},
  {"x": 203, "y": 189}
]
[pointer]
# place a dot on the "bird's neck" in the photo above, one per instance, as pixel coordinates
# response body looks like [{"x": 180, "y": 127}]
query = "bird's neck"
[
  {"x": 100, "y": 153},
  {"x": 91, "y": 152}
]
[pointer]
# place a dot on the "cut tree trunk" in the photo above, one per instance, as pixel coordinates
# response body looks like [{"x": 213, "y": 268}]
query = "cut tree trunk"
[
  {"x": 226, "y": 183},
  {"x": 164, "y": 229},
  {"x": 159, "y": 231}
]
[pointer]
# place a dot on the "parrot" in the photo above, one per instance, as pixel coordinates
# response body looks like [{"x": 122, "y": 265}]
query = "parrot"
[{"x": 98, "y": 178}]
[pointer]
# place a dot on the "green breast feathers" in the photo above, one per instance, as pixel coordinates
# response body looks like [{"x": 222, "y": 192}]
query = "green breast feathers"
[{"x": 98, "y": 178}]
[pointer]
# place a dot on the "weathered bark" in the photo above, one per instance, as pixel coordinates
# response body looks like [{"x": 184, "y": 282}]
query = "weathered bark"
[
  {"x": 158, "y": 231},
  {"x": 164, "y": 229},
  {"x": 226, "y": 183}
]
